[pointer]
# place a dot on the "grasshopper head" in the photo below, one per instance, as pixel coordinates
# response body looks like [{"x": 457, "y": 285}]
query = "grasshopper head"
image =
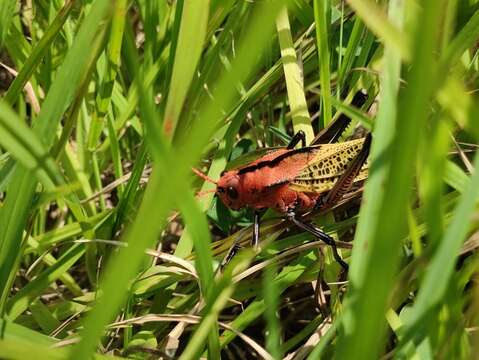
[{"x": 229, "y": 190}]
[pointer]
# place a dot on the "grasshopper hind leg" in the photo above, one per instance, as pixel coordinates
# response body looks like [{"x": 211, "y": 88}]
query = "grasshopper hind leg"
[{"x": 320, "y": 235}]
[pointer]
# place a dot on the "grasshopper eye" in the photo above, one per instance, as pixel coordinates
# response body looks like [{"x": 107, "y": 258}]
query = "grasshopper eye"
[{"x": 232, "y": 192}]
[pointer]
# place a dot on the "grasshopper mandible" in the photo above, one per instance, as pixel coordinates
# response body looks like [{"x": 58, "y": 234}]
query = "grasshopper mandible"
[{"x": 294, "y": 181}]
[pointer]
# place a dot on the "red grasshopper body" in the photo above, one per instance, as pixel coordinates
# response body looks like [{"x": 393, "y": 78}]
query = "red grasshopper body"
[
  {"x": 294, "y": 181},
  {"x": 290, "y": 179}
]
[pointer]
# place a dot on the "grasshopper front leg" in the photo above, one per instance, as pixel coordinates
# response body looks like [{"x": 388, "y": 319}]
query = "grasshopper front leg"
[
  {"x": 233, "y": 250},
  {"x": 255, "y": 239},
  {"x": 299, "y": 136}
]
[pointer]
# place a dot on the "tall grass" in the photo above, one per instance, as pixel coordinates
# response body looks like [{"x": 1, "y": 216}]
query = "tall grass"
[{"x": 105, "y": 251}]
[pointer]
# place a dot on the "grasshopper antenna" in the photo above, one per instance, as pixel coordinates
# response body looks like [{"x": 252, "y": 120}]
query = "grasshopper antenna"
[
  {"x": 205, "y": 192},
  {"x": 203, "y": 176},
  {"x": 206, "y": 178}
]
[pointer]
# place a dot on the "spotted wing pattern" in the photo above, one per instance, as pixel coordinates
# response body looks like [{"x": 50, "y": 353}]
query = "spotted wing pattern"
[{"x": 328, "y": 165}]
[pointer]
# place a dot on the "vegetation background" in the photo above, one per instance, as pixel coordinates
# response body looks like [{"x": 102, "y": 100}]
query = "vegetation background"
[{"x": 105, "y": 250}]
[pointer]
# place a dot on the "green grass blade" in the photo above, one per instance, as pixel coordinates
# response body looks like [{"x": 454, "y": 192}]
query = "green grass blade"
[
  {"x": 12, "y": 331},
  {"x": 432, "y": 159},
  {"x": 466, "y": 38},
  {"x": 366, "y": 301},
  {"x": 127, "y": 200},
  {"x": 192, "y": 351},
  {"x": 33, "y": 60},
  {"x": 194, "y": 218},
  {"x": 49, "y": 260},
  {"x": 322, "y": 19},
  {"x": 22, "y": 143},
  {"x": 123, "y": 267},
  {"x": 272, "y": 300},
  {"x": 288, "y": 276},
  {"x": 146, "y": 227},
  {"x": 353, "y": 113},
  {"x": 440, "y": 270},
  {"x": 354, "y": 42},
  {"x": 376, "y": 20},
  {"x": 111, "y": 68},
  {"x": 94, "y": 170},
  {"x": 455, "y": 177},
  {"x": 13, "y": 215},
  {"x": 19, "y": 349},
  {"x": 191, "y": 36},
  {"x": 7, "y": 9},
  {"x": 44, "y": 318},
  {"x": 294, "y": 78},
  {"x": 20, "y": 302}
]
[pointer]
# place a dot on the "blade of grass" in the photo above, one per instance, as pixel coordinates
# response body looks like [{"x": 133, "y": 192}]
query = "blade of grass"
[
  {"x": 354, "y": 113},
  {"x": 271, "y": 300},
  {"x": 455, "y": 177},
  {"x": 49, "y": 260},
  {"x": 440, "y": 270},
  {"x": 191, "y": 36},
  {"x": 194, "y": 217},
  {"x": 12, "y": 331},
  {"x": 322, "y": 19},
  {"x": 378, "y": 23},
  {"x": 221, "y": 297},
  {"x": 354, "y": 42},
  {"x": 38, "y": 52},
  {"x": 432, "y": 164},
  {"x": 43, "y": 316},
  {"x": 303, "y": 11},
  {"x": 6, "y": 170},
  {"x": 7, "y": 9},
  {"x": 288, "y": 276},
  {"x": 14, "y": 213},
  {"x": 466, "y": 38},
  {"x": 128, "y": 197},
  {"x": 294, "y": 78},
  {"x": 111, "y": 68},
  {"x": 22, "y": 299},
  {"x": 16, "y": 44},
  {"x": 19, "y": 349},
  {"x": 382, "y": 224},
  {"x": 23, "y": 144},
  {"x": 146, "y": 227}
]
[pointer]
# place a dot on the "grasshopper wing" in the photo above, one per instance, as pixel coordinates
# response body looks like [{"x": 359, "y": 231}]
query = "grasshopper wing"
[{"x": 330, "y": 164}]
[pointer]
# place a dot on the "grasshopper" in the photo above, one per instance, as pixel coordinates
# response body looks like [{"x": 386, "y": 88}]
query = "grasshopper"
[{"x": 294, "y": 181}]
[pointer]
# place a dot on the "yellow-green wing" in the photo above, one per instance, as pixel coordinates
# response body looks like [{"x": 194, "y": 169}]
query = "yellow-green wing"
[{"x": 328, "y": 165}]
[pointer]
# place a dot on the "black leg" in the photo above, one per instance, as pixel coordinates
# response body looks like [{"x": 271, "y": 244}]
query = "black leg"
[
  {"x": 333, "y": 132},
  {"x": 299, "y": 136},
  {"x": 233, "y": 250},
  {"x": 320, "y": 235},
  {"x": 255, "y": 239}
]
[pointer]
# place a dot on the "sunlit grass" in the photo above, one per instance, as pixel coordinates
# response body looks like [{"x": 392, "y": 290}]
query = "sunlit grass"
[{"x": 105, "y": 250}]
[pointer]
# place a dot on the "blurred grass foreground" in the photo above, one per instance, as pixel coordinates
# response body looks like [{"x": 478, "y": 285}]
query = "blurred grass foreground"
[{"x": 105, "y": 251}]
